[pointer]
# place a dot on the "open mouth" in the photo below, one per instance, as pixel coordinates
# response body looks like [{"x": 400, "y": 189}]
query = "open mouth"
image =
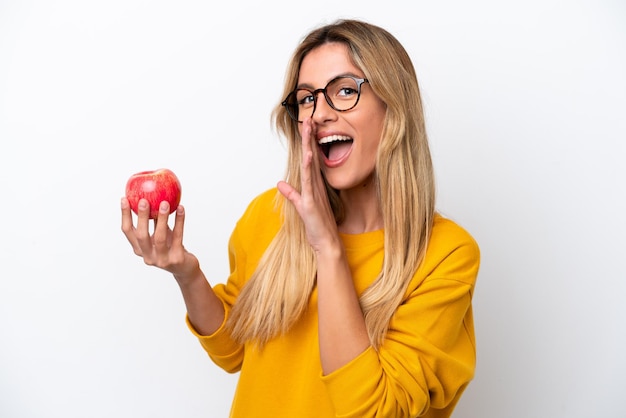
[{"x": 335, "y": 147}]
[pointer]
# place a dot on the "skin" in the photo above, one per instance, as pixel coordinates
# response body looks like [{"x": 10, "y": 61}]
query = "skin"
[
  {"x": 355, "y": 176},
  {"x": 342, "y": 332},
  {"x": 165, "y": 249}
]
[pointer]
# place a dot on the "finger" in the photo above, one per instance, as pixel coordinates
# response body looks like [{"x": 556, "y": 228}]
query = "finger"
[
  {"x": 312, "y": 146},
  {"x": 307, "y": 156},
  {"x": 307, "y": 141},
  {"x": 143, "y": 227},
  {"x": 127, "y": 225},
  {"x": 161, "y": 228},
  {"x": 179, "y": 227},
  {"x": 127, "y": 218},
  {"x": 312, "y": 182},
  {"x": 289, "y": 192}
]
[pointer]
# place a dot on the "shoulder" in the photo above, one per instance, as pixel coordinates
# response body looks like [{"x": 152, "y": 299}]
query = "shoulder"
[
  {"x": 263, "y": 203},
  {"x": 452, "y": 252},
  {"x": 262, "y": 215},
  {"x": 448, "y": 233}
]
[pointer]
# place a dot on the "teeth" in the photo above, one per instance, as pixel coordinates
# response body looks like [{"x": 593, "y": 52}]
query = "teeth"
[{"x": 333, "y": 138}]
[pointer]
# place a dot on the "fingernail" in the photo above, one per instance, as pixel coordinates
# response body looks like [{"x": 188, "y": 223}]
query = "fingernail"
[
  {"x": 164, "y": 207},
  {"x": 143, "y": 204}
]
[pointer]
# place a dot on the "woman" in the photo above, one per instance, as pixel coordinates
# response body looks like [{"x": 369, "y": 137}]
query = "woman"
[{"x": 348, "y": 294}]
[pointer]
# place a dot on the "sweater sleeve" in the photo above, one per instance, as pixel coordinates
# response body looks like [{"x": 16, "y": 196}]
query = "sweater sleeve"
[
  {"x": 428, "y": 356},
  {"x": 221, "y": 348},
  {"x": 253, "y": 232}
]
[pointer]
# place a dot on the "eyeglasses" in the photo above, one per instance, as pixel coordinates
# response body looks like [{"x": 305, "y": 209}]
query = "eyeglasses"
[{"x": 341, "y": 93}]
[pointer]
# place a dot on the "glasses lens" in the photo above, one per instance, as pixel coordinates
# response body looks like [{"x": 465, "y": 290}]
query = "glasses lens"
[{"x": 343, "y": 92}]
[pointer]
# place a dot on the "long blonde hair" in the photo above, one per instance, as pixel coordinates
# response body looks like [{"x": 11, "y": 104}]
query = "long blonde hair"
[{"x": 278, "y": 292}]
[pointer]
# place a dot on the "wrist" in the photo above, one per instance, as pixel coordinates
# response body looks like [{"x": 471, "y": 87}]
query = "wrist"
[
  {"x": 331, "y": 251},
  {"x": 189, "y": 278}
]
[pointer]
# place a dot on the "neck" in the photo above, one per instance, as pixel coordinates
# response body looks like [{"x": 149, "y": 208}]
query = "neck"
[{"x": 362, "y": 212}]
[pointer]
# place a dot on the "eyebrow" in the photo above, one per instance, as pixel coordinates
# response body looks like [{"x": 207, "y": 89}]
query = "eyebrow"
[{"x": 310, "y": 87}]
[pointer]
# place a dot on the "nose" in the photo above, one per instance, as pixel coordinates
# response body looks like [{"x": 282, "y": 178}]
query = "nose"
[{"x": 323, "y": 110}]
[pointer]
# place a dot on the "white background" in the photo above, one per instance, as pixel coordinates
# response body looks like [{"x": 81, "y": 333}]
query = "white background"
[{"x": 526, "y": 111}]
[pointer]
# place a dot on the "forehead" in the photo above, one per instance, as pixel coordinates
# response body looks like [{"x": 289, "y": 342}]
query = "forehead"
[{"x": 326, "y": 62}]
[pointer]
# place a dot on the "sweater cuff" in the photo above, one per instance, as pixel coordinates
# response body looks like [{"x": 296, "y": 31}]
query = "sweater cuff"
[
  {"x": 217, "y": 345},
  {"x": 348, "y": 386}
]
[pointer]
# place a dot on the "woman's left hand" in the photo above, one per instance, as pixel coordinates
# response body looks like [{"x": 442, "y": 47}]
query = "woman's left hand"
[{"x": 312, "y": 202}]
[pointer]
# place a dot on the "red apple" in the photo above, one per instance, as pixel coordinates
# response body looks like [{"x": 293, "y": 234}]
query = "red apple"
[{"x": 155, "y": 186}]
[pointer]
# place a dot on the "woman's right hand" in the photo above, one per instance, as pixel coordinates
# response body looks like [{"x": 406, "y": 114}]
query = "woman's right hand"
[{"x": 164, "y": 248}]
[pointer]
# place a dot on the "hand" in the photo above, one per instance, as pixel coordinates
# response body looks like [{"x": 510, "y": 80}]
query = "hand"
[
  {"x": 312, "y": 202},
  {"x": 164, "y": 248}
]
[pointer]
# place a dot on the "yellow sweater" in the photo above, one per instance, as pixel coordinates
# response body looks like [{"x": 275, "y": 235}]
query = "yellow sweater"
[{"x": 425, "y": 363}]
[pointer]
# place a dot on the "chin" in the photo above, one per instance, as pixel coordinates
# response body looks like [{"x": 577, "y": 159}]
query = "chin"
[{"x": 345, "y": 184}]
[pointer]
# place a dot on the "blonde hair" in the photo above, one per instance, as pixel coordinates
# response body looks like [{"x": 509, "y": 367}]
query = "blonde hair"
[{"x": 278, "y": 292}]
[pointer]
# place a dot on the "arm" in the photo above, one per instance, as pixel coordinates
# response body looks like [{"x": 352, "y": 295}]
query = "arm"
[
  {"x": 164, "y": 249},
  {"x": 428, "y": 356},
  {"x": 342, "y": 332}
]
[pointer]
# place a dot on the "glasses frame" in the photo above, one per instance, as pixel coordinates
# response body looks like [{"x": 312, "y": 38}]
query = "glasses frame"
[{"x": 314, "y": 93}]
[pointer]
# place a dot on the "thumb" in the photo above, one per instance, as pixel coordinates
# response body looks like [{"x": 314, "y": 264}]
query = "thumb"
[{"x": 288, "y": 191}]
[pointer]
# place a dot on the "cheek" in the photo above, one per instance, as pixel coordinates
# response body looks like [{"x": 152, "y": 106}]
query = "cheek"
[
  {"x": 373, "y": 124},
  {"x": 370, "y": 142},
  {"x": 375, "y": 118}
]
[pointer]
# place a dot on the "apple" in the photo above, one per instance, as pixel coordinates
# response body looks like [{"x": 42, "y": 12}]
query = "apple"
[{"x": 155, "y": 186}]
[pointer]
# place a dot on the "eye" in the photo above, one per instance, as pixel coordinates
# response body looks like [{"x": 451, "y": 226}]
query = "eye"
[
  {"x": 304, "y": 98},
  {"x": 346, "y": 91},
  {"x": 343, "y": 88}
]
